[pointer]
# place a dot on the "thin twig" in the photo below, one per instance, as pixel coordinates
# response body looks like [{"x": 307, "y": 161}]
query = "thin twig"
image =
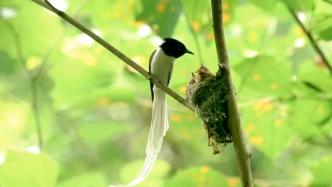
[
  {"x": 311, "y": 39},
  {"x": 33, "y": 78},
  {"x": 194, "y": 34},
  {"x": 243, "y": 156},
  {"x": 17, "y": 44},
  {"x": 33, "y": 86},
  {"x": 115, "y": 51},
  {"x": 35, "y": 109}
]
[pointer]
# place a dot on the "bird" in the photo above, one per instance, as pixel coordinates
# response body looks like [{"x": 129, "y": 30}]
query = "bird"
[{"x": 160, "y": 65}]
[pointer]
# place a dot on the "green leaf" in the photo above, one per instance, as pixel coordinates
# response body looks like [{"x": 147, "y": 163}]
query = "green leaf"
[
  {"x": 8, "y": 65},
  {"x": 265, "y": 122},
  {"x": 162, "y": 16},
  {"x": 11, "y": 130},
  {"x": 318, "y": 78},
  {"x": 77, "y": 83},
  {"x": 264, "y": 75},
  {"x": 198, "y": 13},
  {"x": 31, "y": 39},
  {"x": 195, "y": 9},
  {"x": 159, "y": 171},
  {"x": 323, "y": 26},
  {"x": 23, "y": 169},
  {"x": 268, "y": 6},
  {"x": 201, "y": 176},
  {"x": 90, "y": 179},
  {"x": 322, "y": 172},
  {"x": 98, "y": 132},
  {"x": 299, "y": 5},
  {"x": 316, "y": 115},
  {"x": 321, "y": 20}
]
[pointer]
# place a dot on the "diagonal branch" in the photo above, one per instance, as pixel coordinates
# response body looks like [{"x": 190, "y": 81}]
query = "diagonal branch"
[
  {"x": 328, "y": 1},
  {"x": 310, "y": 38},
  {"x": 115, "y": 51},
  {"x": 243, "y": 156}
]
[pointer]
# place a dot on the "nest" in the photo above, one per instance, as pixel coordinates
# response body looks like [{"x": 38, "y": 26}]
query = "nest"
[{"x": 207, "y": 94}]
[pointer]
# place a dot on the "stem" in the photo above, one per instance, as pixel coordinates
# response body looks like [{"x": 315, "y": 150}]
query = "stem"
[
  {"x": 33, "y": 86},
  {"x": 243, "y": 156},
  {"x": 311, "y": 39},
  {"x": 115, "y": 51},
  {"x": 194, "y": 34},
  {"x": 33, "y": 78},
  {"x": 35, "y": 108}
]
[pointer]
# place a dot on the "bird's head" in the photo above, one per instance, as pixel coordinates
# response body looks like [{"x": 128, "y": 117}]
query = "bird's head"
[{"x": 174, "y": 48}]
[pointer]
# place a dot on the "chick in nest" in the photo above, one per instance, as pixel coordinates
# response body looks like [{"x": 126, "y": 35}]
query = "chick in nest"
[{"x": 207, "y": 94}]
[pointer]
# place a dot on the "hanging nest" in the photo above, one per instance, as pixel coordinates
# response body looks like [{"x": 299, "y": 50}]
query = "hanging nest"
[{"x": 207, "y": 94}]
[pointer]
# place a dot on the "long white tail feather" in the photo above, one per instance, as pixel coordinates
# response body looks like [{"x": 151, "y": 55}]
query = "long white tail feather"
[{"x": 158, "y": 129}]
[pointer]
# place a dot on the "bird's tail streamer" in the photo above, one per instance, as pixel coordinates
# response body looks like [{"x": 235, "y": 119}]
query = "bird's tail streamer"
[{"x": 158, "y": 129}]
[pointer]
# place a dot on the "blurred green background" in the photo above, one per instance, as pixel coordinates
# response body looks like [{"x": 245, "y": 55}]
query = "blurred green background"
[{"x": 94, "y": 111}]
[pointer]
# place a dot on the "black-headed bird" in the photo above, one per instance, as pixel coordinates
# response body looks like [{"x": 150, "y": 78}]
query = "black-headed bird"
[{"x": 160, "y": 65}]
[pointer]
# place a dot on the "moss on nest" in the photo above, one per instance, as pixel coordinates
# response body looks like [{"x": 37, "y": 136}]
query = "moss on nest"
[{"x": 207, "y": 94}]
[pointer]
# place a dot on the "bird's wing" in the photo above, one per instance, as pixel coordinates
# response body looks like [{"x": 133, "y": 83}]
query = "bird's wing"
[
  {"x": 170, "y": 75},
  {"x": 151, "y": 83}
]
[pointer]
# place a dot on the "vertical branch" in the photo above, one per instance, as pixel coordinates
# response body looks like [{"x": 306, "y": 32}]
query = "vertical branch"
[
  {"x": 310, "y": 38},
  {"x": 243, "y": 156},
  {"x": 219, "y": 33}
]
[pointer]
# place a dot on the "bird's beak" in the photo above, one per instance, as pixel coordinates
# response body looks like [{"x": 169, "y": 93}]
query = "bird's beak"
[{"x": 187, "y": 51}]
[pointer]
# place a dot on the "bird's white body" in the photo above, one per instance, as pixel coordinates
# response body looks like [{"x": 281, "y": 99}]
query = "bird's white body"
[{"x": 161, "y": 66}]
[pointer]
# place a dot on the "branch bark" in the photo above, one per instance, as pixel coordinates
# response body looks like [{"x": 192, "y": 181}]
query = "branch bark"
[
  {"x": 328, "y": 1},
  {"x": 115, "y": 51},
  {"x": 243, "y": 156},
  {"x": 311, "y": 39}
]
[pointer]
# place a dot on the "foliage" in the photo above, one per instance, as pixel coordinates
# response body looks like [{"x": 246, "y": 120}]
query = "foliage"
[{"x": 94, "y": 111}]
